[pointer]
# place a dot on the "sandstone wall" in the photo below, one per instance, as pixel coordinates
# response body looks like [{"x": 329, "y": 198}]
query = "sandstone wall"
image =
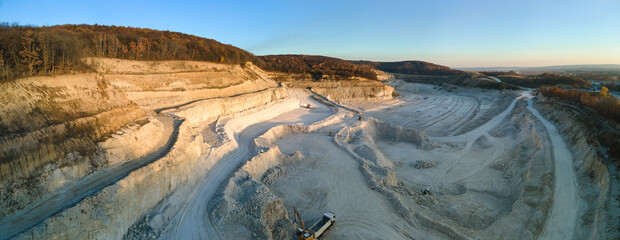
[
  {"x": 42, "y": 119},
  {"x": 212, "y": 108},
  {"x": 165, "y": 84},
  {"x": 58, "y": 129},
  {"x": 109, "y": 213},
  {"x": 339, "y": 90}
]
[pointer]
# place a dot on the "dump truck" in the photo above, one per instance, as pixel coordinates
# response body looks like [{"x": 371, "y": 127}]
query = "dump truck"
[{"x": 317, "y": 228}]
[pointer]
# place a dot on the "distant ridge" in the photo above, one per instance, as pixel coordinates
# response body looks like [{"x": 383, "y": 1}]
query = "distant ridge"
[
  {"x": 580, "y": 67},
  {"x": 411, "y": 67}
]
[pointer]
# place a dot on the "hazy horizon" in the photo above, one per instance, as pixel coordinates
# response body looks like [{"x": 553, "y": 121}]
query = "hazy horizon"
[{"x": 453, "y": 33}]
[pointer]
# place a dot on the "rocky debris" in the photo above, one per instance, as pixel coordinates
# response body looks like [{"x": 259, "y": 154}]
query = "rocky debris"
[
  {"x": 382, "y": 130},
  {"x": 141, "y": 231},
  {"x": 390, "y": 179},
  {"x": 497, "y": 132},
  {"x": 221, "y": 135},
  {"x": 482, "y": 142},
  {"x": 251, "y": 204},
  {"x": 293, "y": 157},
  {"x": 273, "y": 174},
  {"x": 420, "y": 164},
  {"x": 402, "y": 190},
  {"x": 505, "y": 169},
  {"x": 213, "y": 136}
]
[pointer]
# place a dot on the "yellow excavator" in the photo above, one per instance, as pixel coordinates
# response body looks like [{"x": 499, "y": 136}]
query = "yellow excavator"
[{"x": 317, "y": 229}]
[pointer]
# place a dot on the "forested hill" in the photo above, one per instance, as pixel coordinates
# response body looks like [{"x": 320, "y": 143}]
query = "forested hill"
[
  {"x": 317, "y": 66},
  {"x": 28, "y": 50},
  {"x": 411, "y": 67},
  {"x": 536, "y": 81}
]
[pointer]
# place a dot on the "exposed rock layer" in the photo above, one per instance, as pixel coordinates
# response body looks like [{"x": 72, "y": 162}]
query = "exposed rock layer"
[{"x": 43, "y": 119}]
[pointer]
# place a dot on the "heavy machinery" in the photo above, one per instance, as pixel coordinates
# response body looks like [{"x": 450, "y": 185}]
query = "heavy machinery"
[{"x": 317, "y": 229}]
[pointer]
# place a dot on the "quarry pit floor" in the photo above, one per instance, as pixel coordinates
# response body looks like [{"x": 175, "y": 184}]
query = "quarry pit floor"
[{"x": 462, "y": 178}]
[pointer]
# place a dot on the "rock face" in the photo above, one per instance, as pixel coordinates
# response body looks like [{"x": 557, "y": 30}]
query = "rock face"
[
  {"x": 57, "y": 130},
  {"x": 44, "y": 119},
  {"x": 353, "y": 89},
  {"x": 87, "y": 122},
  {"x": 50, "y": 128},
  {"x": 165, "y": 84},
  {"x": 383, "y": 76},
  {"x": 108, "y": 213},
  {"x": 212, "y": 108},
  {"x": 350, "y": 88}
]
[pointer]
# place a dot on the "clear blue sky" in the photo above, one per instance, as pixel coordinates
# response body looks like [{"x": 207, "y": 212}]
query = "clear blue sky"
[{"x": 457, "y": 33}]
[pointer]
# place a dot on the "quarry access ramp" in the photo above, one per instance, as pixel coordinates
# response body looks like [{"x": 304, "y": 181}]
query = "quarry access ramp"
[{"x": 563, "y": 216}]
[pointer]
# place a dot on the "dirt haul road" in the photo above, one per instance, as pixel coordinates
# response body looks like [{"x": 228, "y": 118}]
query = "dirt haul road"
[
  {"x": 195, "y": 222},
  {"x": 78, "y": 190},
  {"x": 458, "y": 169},
  {"x": 563, "y": 217}
]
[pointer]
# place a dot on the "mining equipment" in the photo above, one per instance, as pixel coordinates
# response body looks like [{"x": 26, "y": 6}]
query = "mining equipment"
[{"x": 317, "y": 229}]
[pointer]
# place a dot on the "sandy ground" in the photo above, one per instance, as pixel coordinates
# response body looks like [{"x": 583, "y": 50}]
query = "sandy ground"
[
  {"x": 328, "y": 179},
  {"x": 436, "y": 163},
  {"x": 195, "y": 223},
  {"x": 485, "y": 165},
  {"x": 432, "y": 110}
]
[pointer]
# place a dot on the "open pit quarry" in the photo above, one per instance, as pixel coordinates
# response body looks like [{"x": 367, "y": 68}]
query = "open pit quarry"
[{"x": 197, "y": 150}]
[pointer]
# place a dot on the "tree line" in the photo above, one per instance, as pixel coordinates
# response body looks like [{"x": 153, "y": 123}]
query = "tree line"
[
  {"x": 536, "y": 81},
  {"x": 317, "y": 66},
  {"x": 411, "y": 67},
  {"x": 602, "y": 102},
  {"x": 612, "y": 87},
  {"x": 29, "y": 50}
]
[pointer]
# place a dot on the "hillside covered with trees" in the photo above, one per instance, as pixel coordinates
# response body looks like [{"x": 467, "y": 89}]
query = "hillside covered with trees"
[
  {"x": 602, "y": 102},
  {"x": 28, "y": 50},
  {"x": 317, "y": 66},
  {"x": 411, "y": 67},
  {"x": 535, "y": 81}
]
